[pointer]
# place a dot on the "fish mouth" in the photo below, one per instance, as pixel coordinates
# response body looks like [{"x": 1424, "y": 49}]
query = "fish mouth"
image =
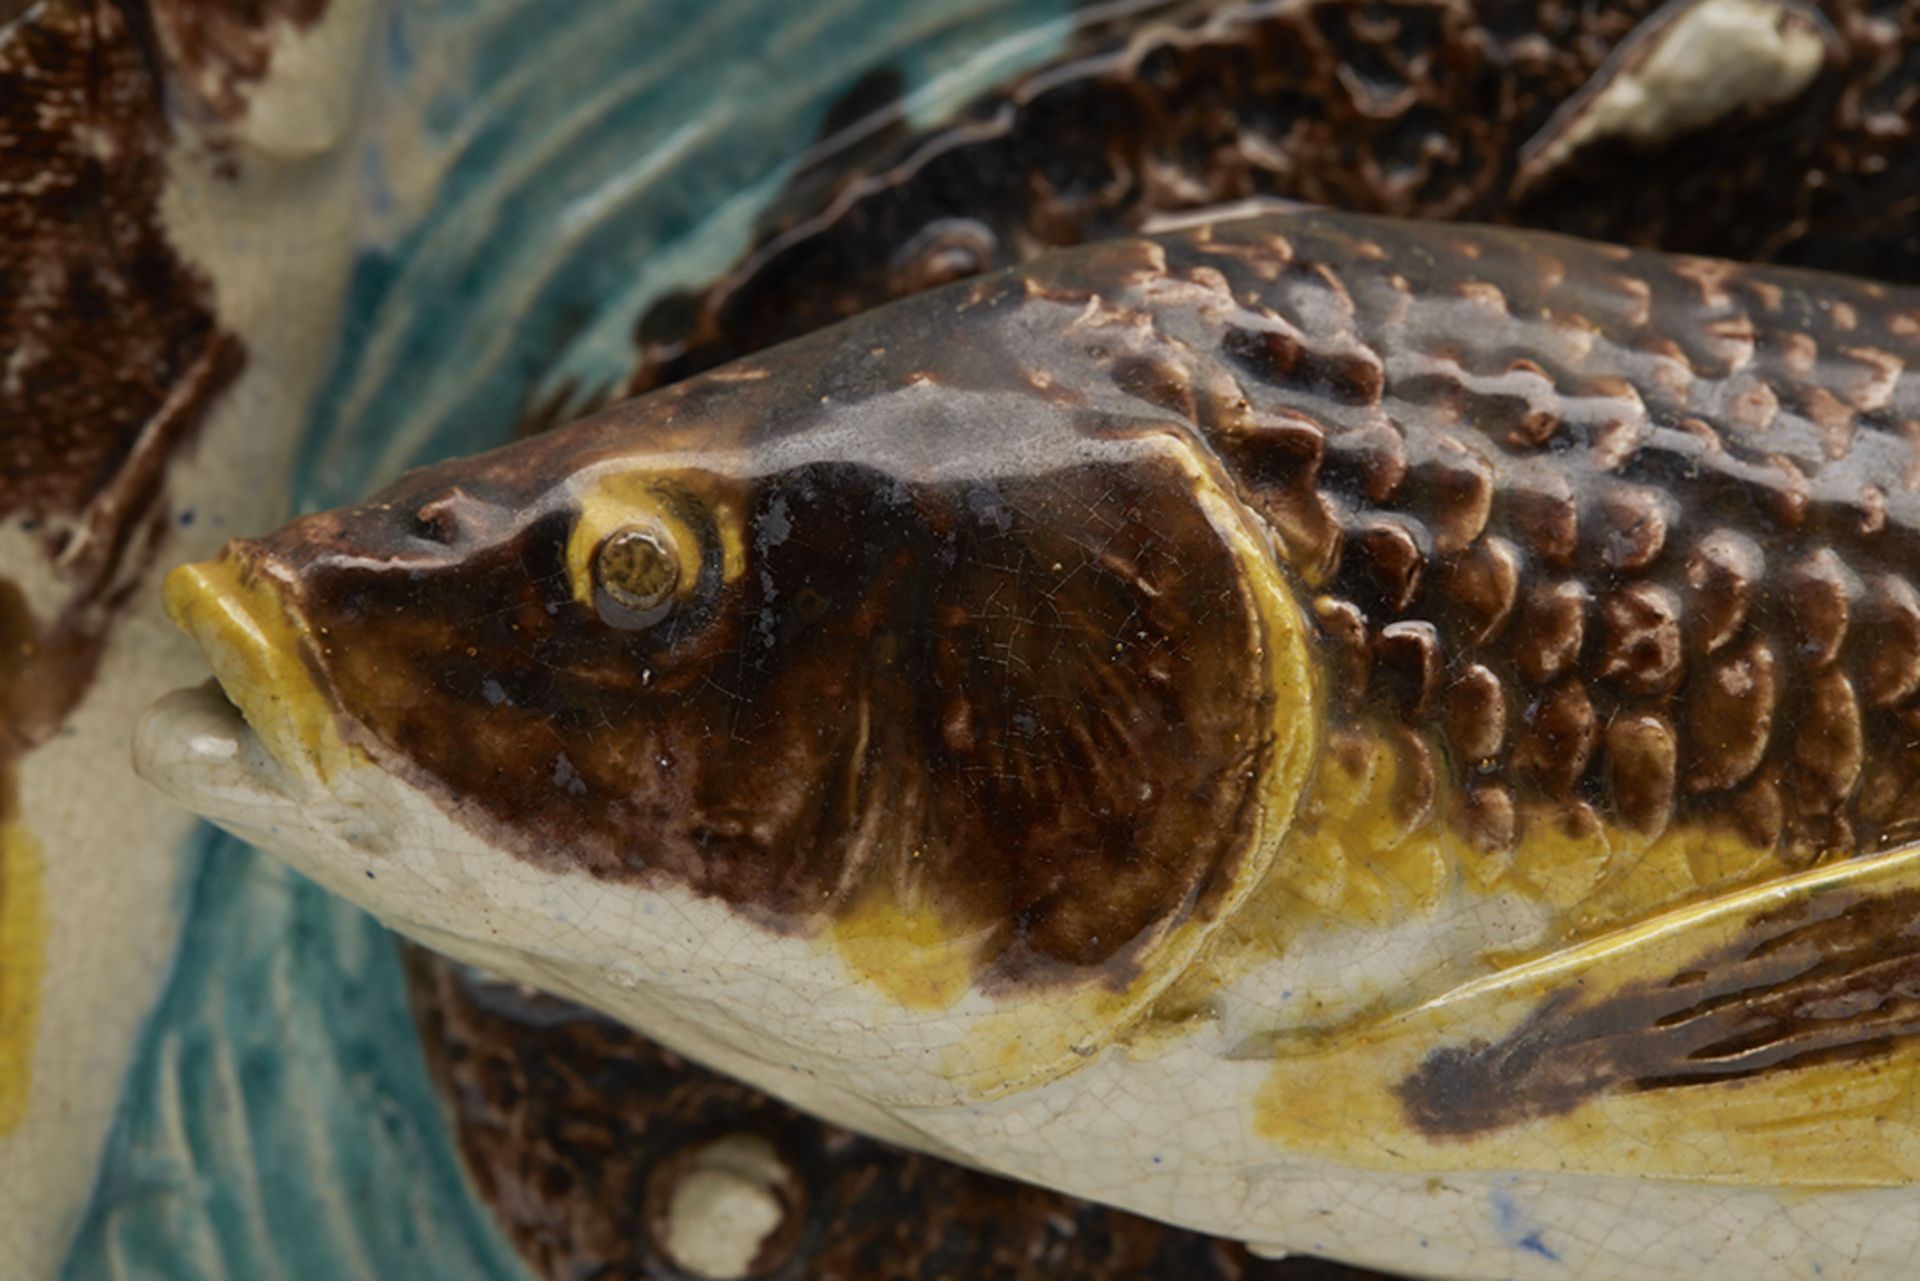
[
  {"x": 195, "y": 746},
  {"x": 262, "y": 730}
]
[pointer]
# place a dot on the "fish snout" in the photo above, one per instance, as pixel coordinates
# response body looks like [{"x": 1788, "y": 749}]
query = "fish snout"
[{"x": 237, "y": 612}]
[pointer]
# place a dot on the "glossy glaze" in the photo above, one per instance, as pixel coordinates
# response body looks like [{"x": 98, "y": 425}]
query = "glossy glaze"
[
  {"x": 1596, "y": 653},
  {"x": 1443, "y": 106},
  {"x": 1605, "y": 538},
  {"x": 1436, "y": 110},
  {"x": 148, "y": 397}
]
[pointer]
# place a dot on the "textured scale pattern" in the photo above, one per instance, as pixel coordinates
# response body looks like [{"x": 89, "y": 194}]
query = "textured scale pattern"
[{"x": 1621, "y": 538}]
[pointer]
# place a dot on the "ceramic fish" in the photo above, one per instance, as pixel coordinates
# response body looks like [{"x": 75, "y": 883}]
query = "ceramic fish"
[{"x": 1378, "y": 739}]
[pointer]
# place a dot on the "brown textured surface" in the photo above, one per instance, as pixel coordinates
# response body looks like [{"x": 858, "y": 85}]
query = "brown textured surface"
[
  {"x": 1652, "y": 498},
  {"x": 1354, "y": 375},
  {"x": 570, "y": 1123},
  {"x": 112, "y": 354},
  {"x": 992, "y": 685},
  {"x": 1412, "y": 108}
]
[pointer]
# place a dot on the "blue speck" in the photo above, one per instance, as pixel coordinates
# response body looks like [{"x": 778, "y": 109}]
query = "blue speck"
[
  {"x": 566, "y": 778},
  {"x": 1532, "y": 1242},
  {"x": 1156, "y": 1159},
  {"x": 186, "y": 518},
  {"x": 775, "y": 524},
  {"x": 1508, "y": 1218}
]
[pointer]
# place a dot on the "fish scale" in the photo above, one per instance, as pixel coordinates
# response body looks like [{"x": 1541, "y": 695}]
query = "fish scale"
[
  {"x": 1438, "y": 693},
  {"x": 1685, "y": 608}
]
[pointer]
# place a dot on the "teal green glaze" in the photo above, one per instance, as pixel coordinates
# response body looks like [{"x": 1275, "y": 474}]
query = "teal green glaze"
[
  {"x": 593, "y": 164},
  {"x": 279, "y": 1122},
  {"x": 539, "y": 174}
]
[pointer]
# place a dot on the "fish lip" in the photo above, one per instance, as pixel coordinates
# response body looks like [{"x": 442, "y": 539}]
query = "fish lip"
[
  {"x": 195, "y": 746},
  {"x": 240, "y": 611}
]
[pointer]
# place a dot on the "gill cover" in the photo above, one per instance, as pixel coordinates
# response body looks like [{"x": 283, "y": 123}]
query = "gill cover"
[{"x": 1002, "y": 727}]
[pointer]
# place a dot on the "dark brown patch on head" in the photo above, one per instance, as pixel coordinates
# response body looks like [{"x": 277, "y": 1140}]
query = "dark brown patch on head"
[
  {"x": 1033, "y": 695},
  {"x": 1835, "y": 979}
]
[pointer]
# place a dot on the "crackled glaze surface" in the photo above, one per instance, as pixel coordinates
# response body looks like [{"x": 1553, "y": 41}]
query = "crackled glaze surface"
[
  {"x": 1358, "y": 460},
  {"x": 587, "y": 1131},
  {"x": 1590, "y": 540},
  {"x": 1815, "y": 187},
  {"x": 148, "y": 380},
  {"x": 888, "y": 212}
]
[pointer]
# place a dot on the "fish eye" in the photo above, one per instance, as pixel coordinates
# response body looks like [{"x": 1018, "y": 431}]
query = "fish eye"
[
  {"x": 641, "y": 546},
  {"x": 637, "y": 568}
]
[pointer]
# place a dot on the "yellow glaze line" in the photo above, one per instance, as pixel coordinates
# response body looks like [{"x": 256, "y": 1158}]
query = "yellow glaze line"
[{"x": 23, "y": 963}]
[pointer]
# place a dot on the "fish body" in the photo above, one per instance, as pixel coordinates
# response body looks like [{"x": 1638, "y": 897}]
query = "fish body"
[{"x": 1379, "y": 739}]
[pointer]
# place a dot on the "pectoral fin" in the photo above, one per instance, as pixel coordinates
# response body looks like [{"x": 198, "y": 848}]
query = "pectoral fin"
[{"x": 1770, "y": 1036}]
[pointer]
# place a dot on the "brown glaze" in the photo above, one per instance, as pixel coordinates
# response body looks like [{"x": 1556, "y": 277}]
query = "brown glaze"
[
  {"x": 932, "y": 650},
  {"x": 112, "y": 354},
  {"x": 220, "y": 49},
  {"x": 992, "y": 680},
  {"x": 1413, "y": 109},
  {"x": 1417, "y": 109},
  {"x": 1832, "y": 979},
  {"x": 1708, "y": 631},
  {"x": 112, "y": 342},
  {"x": 577, "y": 1130}
]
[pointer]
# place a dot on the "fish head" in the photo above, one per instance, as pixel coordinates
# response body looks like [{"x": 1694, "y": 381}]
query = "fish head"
[{"x": 847, "y": 702}]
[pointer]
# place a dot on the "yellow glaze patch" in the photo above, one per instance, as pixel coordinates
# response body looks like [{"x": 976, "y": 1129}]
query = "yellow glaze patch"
[
  {"x": 610, "y": 501},
  {"x": 1350, "y": 856},
  {"x": 908, "y": 954},
  {"x": 23, "y": 947},
  {"x": 1851, "y": 1122},
  {"x": 1561, "y": 855},
  {"x": 255, "y": 645},
  {"x": 1369, "y": 852}
]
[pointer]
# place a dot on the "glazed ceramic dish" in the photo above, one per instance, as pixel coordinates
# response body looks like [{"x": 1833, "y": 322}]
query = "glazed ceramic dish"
[{"x": 1358, "y": 736}]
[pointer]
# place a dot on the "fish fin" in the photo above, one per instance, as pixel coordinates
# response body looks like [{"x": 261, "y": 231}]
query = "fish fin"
[{"x": 1766, "y": 1036}]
